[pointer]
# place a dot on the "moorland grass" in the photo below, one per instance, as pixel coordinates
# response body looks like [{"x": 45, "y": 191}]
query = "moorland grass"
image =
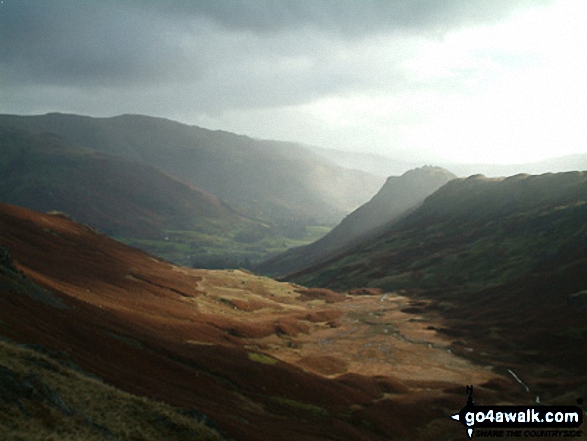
[{"x": 43, "y": 399}]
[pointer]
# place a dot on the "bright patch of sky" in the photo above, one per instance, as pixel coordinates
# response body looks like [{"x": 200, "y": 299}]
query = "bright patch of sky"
[
  {"x": 510, "y": 92},
  {"x": 416, "y": 80}
]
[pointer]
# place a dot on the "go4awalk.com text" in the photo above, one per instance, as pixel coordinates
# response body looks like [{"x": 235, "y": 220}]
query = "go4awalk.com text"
[{"x": 520, "y": 421}]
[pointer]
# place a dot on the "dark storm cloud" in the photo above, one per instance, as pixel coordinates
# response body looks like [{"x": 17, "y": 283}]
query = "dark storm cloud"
[
  {"x": 350, "y": 17},
  {"x": 83, "y": 38},
  {"x": 79, "y": 42},
  {"x": 210, "y": 55}
]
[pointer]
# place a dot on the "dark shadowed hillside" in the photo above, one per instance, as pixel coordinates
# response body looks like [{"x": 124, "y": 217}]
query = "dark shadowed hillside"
[
  {"x": 275, "y": 181},
  {"x": 45, "y": 397},
  {"x": 504, "y": 260},
  {"x": 138, "y": 203},
  {"x": 120, "y": 197},
  {"x": 399, "y": 194},
  {"x": 472, "y": 231}
]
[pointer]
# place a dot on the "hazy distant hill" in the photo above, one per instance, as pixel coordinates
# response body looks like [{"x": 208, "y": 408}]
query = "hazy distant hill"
[
  {"x": 381, "y": 165},
  {"x": 553, "y": 165},
  {"x": 472, "y": 233},
  {"x": 398, "y": 194},
  {"x": 270, "y": 180},
  {"x": 373, "y": 163},
  {"x": 120, "y": 197}
]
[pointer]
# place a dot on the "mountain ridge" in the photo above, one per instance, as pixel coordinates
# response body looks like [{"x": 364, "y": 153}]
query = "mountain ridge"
[
  {"x": 115, "y": 195},
  {"x": 229, "y": 166},
  {"x": 398, "y": 195},
  {"x": 503, "y": 260},
  {"x": 464, "y": 210}
]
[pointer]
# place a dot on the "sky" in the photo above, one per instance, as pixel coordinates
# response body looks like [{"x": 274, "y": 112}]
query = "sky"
[{"x": 496, "y": 81}]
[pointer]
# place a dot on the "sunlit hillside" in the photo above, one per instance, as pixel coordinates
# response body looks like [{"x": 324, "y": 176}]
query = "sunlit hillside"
[{"x": 260, "y": 359}]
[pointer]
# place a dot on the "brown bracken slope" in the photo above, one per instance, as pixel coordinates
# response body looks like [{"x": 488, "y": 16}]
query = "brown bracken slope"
[{"x": 264, "y": 360}]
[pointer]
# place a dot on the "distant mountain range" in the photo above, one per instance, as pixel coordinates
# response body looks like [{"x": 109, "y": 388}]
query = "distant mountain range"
[
  {"x": 378, "y": 165},
  {"x": 190, "y": 195},
  {"x": 206, "y": 198},
  {"x": 553, "y": 165},
  {"x": 381, "y": 165},
  {"x": 398, "y": 195},
  {"x": 268, "y": 180}
]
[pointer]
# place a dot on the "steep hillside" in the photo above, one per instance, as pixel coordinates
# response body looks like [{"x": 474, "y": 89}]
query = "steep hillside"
[
  {"x": 117, "y": 196},
  {"x": 279, "y": 182},
  {"x": 134, "y": 202},
  {"x": 505, "y": 260},
  {"x": 256, "y": 358},
  {"x": 474, "y": 231},
  {"x": 45, "y": 398},
  {"x": 399, "y": 194}
]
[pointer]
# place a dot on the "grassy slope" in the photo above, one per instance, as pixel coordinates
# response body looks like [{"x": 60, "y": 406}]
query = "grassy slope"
[
  {"x": 505, "y": 261},
  {"x": 249, "y": 352},
  {"x": 45, "y": 398},
  {"x": 44, "y": 395},
  {"x": 134, "y": 202},
  {"x": 399, "y": 194},
  {"x": 115, "y": 195},
  {"x": 473, "y": 232},
  {"x": 136, "y": 322}
]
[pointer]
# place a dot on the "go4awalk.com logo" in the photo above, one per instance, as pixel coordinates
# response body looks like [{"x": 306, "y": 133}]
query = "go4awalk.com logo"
[{"x": 519, "y": 421}]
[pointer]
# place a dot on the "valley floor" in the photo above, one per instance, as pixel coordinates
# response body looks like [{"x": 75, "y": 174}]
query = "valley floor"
[{"x": 260, "y": 359}]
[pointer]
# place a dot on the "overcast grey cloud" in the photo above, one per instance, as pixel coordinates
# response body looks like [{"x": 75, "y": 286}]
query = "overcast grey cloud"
[
  {"x": 346, "y": 17},
  {"x": 385, "y": 76}
]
